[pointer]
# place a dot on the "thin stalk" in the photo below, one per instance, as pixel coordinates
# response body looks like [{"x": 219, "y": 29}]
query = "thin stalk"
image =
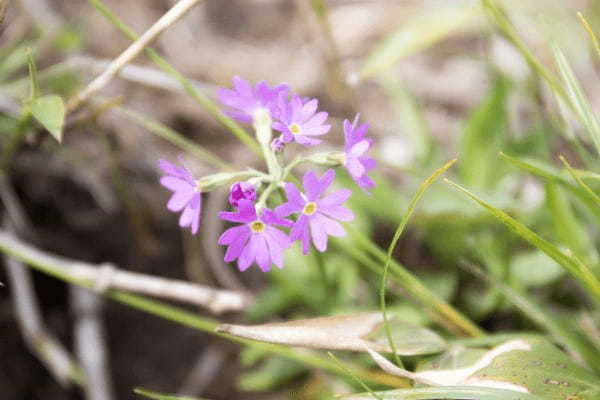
[
  {"x": 209, "y": 105},
  {"x": 447, "y": 315},
  {"x": 411, "y": 207}
]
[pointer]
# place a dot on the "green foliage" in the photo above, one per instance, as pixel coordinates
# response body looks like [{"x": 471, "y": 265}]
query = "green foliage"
[{"x": 50, "y": 112}]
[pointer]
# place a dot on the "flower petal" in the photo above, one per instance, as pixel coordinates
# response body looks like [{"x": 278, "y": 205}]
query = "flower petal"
[
  {"x": 263, "y": 257},
  {"x": 175, "y": 184},
  {"x": 318, "y": 234},
  {"x": 232, "y": 234},
  {"x": 235, "y": 248},
  {"x": 338, "y": 212},
  {"x": 180, "y": 199},
  {"x": 248, "y": 254},
  {"x": 334, "y": 199},
  {"x": 330, "y": 226}
]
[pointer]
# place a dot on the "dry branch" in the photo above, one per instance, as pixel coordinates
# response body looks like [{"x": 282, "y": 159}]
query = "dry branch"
[
  {"x": 107, "y": 276},
  {"x": 164, "y": 22}
]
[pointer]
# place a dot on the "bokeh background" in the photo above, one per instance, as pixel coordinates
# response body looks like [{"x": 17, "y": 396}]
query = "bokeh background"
[{"x": 96, "y": 197}]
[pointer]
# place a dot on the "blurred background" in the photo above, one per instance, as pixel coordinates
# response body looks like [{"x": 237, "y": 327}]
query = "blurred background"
[{"x": 434, "y": 79}]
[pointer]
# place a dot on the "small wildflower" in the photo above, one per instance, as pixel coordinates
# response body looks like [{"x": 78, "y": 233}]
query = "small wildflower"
[
  {"x": 256, "y": 240},
  {"x": 240, "y": 191},
  {"x": 246, "y": 101},
  {"x": 298, "y": 120},
  {"x": 318, "y": 214},
  {"x": 355, "y": 160},
  {"x": 186, "y": 194}
]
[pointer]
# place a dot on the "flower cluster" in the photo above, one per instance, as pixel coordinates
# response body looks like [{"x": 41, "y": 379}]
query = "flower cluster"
[{"x": 309, "y": 215}]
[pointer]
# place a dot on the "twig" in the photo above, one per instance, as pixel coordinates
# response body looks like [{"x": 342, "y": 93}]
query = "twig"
[
  {"x": 168, "y": 19},
  {"x": 90, "y": 343},
  {"x": 136, "y": 73},
  {"x": 215, "y": 300},
  {"x": 50, "y": 352}
]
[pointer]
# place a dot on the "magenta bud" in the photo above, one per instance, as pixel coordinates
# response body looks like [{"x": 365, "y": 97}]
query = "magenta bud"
[{"x": 241, "y": 191}]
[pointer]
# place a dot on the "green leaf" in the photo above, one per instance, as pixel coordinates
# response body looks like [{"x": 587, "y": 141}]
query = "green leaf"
[
  {"x": 544, "y": 370},
  {"x": 410, "y": 340},
  {"x": 160, "y": 396},
  {"x": 14, "y": 60},
  {"x": 573, "y": 265},
  {"x": 50, "y": 112},
  {"x": 528, "y": 365},
  {"x": 547, "y": 172},
  {"x": 567, "y": 226},
  {"x": 419, "y": 32},
  {"x": 534, "y": 268},
  {"x": 482, "y": 139},
  {"x": 445, "y": 392}
]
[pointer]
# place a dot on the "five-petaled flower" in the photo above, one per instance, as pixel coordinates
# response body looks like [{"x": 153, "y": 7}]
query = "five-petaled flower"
[
  {"x": 318, "y": 214},
  {"x": 355, "y": 160},
  {"x": 186, "y": 194},
  {"x": 298, "y": 120},
  {"x": 246, "y": 101},
  {"x": 256, "y": 239}
]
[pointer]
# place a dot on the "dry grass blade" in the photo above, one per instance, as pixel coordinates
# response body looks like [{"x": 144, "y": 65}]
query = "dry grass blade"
[
  {"x": 344, "y": 332},
  {"x": 107, "y": 276},
  {"x": 168, "y": 19}
]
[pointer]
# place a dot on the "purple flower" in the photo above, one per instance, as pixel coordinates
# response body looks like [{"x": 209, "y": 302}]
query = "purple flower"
[
  {"x": 298, "y": 120},
  {"x": 240, "y": 191},
  {"x": 245, "y": 101},
  {"x": 318, "y": 214},
  {"x": 186, "y": 194},
  {"x": 255, "y": 240},
  {"x": 355, "y": 160}
]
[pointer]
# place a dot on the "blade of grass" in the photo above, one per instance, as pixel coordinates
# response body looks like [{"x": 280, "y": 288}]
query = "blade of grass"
[
  {"x": 590, "y": 32},
  {"x": 44, "y": 263},
  {"x": 160, "y": 396},
  {"x": 445, "y": 314},
  {"x": 569, "y": 262},
  {"x": 546, "y": 172},
  {"x": 209, "y": 105},
  {"x": 508, "y": 30},
  {"x": 580, "y": 104},
  {"x": 355, "y": 378},
  {"x": 577, "y": 177},
  {"x": 567, "y": 226},
  {"x": 386, "y": 266}
]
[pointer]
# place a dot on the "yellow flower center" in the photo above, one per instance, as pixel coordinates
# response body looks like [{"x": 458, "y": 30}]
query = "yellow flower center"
[
  {"x": 295, "y": 128},
  {"x": 310, "y": 208},
  {"x": 257, "y": 227}
]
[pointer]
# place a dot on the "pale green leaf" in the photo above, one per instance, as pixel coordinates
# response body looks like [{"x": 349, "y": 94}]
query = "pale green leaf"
[{"x": 50, "y": 112}]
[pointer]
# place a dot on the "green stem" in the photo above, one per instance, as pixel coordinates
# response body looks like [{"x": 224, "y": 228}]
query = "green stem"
[
  {"x": 411, "y": 207},
  {"x": 208, "y": 104}
]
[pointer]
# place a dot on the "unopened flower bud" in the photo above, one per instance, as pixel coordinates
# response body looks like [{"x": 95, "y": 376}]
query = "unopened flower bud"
[{"x": 241, "y": 191}]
